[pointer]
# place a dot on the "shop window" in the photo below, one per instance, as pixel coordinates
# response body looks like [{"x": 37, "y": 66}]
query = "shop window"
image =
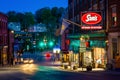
[
  {"x": 114, "y": 19},
  {"x": 99, "y": 57}
]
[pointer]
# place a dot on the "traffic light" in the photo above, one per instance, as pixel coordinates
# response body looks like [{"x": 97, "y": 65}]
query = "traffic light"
[
  {"x": 47, "y": 55},
  {"x": 41, "y": 44},
  {"x": 50, "y": 43}
]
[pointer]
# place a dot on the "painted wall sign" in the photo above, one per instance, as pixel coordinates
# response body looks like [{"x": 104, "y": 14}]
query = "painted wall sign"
[{"x": 91, "y": 18}]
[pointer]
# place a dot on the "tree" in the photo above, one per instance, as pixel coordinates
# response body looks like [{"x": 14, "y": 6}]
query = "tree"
[
  {"x": 38, "y": 15},
  {"x": 12, "y": 16},
  {"x": 54, "y": 11},
  {"x": 28, "y": 19},
  {"x": 20, "y": 18},
  {"x": 25, "y": 19}
]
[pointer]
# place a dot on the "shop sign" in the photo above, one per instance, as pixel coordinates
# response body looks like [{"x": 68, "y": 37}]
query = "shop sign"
[
  {"x": 91, "y": 18},
  {"x": 91, "y": 27}
]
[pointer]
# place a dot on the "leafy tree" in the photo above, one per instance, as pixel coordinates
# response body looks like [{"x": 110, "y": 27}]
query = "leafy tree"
[
  {"x": 50, "y": 17},
  {"x": 12, "y": 16},
  {"x": 25, "y": 19},
  {"x": 20, "y": 18},
  {"x": 28, "y": 19},
  {"x": 46, "y": 14},
  {"x": 54, "y": 11},
  {"x": 38, "y": 15}
]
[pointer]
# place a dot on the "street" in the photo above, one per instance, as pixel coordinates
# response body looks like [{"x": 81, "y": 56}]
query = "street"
[
  {"x": 60, "y": 40},
  {"x": 46, "y": 71}
]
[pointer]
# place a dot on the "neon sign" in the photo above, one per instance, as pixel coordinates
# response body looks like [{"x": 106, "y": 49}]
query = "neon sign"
[{"x": 91, "y": 18}]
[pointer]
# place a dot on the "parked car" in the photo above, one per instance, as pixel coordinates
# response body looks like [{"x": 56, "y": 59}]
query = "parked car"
[{"x": 27, "y": 60}]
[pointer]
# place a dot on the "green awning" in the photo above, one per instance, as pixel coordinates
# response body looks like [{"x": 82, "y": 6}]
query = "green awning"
[{"x": 90, "y": 35}]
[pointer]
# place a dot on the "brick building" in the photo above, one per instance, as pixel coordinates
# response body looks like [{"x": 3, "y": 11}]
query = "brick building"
[
  {"x": 3, "y": 39},
  {"x": 110, "y": 28},
  {"x": 10, "y": 46},
  {"x": 113, "y": 28},
  {"x": 97, "y": 37}
]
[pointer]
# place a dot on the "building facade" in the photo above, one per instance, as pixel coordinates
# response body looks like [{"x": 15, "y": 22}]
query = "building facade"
[
  {"x": 10, "y": 47},
  {"x": 3, "y": 40},
  {"x": 97, "y": 37},
  {"x": 113, "y": 27}
]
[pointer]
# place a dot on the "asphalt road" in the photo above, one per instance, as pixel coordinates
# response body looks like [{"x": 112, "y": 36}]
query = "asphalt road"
[
  {"x": 40, "y": 72},
  {"x": 45, "y": 71}
]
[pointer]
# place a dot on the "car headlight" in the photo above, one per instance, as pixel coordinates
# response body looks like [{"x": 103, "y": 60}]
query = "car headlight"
[{"x": 31, "y": 61}]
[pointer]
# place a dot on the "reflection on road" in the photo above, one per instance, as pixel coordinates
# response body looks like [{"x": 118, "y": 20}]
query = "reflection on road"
[{"x": 29, "y": 68}]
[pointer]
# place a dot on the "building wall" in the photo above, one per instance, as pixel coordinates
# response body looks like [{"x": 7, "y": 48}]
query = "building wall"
[
  {"x": 3, "y": 39},
  {"x": 10, "y": 47},
  {"x": 113, "y": 32},
  {"x": 75, "y": 7}
]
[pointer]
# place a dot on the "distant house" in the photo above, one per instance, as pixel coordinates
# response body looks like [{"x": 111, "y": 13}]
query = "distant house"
[
  {"x": 15, "y": 26},
  {"x": 38, "y": 28}
]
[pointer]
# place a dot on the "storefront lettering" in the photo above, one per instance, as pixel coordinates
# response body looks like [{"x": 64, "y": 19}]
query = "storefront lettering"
[{"x": 91, "y": 18}]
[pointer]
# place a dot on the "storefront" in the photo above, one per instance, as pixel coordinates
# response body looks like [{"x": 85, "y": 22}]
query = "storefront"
[
  {"x": 114, "y": 49},
  {"x": 4, "y": 55},
  {"x": 96, "y": 57},
  {"x": 94, "y": 54},
  {"x": 99, "y": 57}
]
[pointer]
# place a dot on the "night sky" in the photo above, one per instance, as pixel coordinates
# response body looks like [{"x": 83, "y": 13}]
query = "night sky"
[{"x": 29, "y": 5}]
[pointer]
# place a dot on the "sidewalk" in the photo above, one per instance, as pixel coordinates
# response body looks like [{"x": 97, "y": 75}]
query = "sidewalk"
[
  {"x": 101, "y": 70},
  {"x": 78, "y": 69},
  {"x": 8, "y": 66},
  {"x": 57, "y": 65}
]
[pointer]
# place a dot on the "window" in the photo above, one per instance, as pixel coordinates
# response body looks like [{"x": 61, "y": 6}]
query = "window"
[{"x": 114, "y": 16}]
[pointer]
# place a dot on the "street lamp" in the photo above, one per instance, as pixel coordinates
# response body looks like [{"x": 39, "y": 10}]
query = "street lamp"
[{"x": 12, "y": 31}]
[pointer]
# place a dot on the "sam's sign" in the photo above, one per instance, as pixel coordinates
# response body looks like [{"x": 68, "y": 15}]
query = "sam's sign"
[{"x": 90, "y": 20}]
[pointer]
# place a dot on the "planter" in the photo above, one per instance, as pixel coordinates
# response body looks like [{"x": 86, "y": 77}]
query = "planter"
[
  {"x": 74, "y": 67},
  {"x": 65, "y": 67}
]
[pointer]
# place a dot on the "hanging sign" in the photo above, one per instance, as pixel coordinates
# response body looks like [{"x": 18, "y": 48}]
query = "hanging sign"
[{"x": 91, "y": 20}]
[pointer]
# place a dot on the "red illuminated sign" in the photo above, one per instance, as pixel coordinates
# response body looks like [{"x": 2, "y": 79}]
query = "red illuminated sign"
[{"x": 91, "y": 18}]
